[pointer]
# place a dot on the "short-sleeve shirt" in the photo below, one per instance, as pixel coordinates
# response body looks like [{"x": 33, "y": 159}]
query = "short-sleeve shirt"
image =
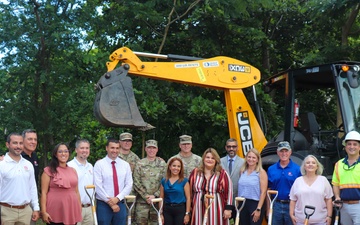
[
  {"x": 313, "y": 195},
  {"x": 174, "y": 193},
  {"x": 282, "y": 179},
  {"x": 347, "y": 178}
]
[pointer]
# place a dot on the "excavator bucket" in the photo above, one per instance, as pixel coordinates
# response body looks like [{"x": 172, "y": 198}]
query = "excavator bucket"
[{"x": 115, "y": 104}]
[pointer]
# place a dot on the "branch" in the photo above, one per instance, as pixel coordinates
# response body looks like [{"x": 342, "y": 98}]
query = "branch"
[
  {"x": 347, "y": 26},
  {"x": 167, "y": 28},
  {"x": 192, "y": 5}
]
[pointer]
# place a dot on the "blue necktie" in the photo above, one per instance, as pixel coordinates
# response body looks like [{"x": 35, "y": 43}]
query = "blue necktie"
[{"x": 230, "y": 165}]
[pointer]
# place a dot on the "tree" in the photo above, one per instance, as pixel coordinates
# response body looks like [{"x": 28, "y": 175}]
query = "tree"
[
  {"x": 46, "y": 65},
  {"x": 54, "y": 53}
]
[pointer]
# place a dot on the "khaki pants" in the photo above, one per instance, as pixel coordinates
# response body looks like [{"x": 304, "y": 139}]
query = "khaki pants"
[
  {"x": 11, "y": 216},
  {"x": 87, "y": 216}
]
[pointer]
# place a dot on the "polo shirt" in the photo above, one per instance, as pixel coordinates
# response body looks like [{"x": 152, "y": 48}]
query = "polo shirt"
[
  {"x": 34, "y": 161},
  {"x": 17, "y": 183},
  {"x": 85, "y": 177},
  {"x": 347, "y": 178},
  {"x": 282, "y": 179}
]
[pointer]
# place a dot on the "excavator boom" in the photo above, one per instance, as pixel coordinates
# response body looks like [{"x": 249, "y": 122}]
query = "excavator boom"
[
  {"x": 218, "y": 72},
  {"x": 115, "y": 104}
]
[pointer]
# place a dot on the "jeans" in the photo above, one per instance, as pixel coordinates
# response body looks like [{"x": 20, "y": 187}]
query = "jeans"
[
  {"x": 281, "y": 214},
  {"x": 106, "y": 216}
]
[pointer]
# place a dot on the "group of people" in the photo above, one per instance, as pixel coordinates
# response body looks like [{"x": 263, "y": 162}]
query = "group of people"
[
  {"x": 187, "y": 183},
  {"x": 304, "y": 186}
]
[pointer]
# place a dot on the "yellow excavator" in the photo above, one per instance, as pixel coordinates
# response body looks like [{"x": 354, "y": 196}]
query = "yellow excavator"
[
  {"x": 338, "y": 83},
  {"x": 115, "y": 104}
]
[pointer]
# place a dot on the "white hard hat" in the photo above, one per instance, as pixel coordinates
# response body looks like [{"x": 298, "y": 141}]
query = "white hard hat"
[{"x": 352, "y": 135}]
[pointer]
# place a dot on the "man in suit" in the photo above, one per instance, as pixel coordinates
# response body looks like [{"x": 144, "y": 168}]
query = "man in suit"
[{"x": 232, "y": 163}]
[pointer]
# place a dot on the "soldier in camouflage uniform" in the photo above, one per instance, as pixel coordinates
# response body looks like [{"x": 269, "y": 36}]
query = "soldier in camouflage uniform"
[
  {"x": 190, "y": 160},
  {"x": 125, "y": 150},
  {"x": 129, "y": 156},
  {"x": 147, "y": 177}
]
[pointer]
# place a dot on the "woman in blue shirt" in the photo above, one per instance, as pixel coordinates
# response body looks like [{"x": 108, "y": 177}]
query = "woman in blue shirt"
[
  {"x": 252, "y": 186},
  {"x": 175, "y": 191}
]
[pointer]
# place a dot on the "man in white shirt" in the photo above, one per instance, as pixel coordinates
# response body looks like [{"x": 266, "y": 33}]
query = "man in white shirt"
[
  {"x": 85, "y": 173},
  {"x": 111, "y": 190},
  {"x": 16, "y": 173}
]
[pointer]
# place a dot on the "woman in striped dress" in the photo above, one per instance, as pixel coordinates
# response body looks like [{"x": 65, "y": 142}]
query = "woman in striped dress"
[{"x": 210, "y": 178}]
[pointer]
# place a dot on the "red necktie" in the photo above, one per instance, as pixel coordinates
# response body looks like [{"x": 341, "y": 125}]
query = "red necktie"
[{"x": 115, "y": 179}]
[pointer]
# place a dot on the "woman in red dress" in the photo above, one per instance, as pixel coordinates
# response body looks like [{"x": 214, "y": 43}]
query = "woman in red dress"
[{"x": 60, "y": 198}]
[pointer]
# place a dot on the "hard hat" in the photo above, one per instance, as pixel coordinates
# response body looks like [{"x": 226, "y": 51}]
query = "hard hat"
[{"x": 352, "y": 135}]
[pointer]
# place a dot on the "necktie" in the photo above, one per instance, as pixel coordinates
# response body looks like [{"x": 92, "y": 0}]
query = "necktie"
[
  {"x": 115, "y": 179},
  {"x": 230, "y": 165}
]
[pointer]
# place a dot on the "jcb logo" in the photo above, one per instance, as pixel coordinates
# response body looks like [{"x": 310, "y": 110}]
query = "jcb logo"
[
  {"x": 245, "y": 131},
  {"x": 239, "y": 68}
]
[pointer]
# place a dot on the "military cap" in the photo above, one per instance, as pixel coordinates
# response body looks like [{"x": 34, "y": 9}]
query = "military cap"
[
  {"x": 125, "y": 136},
  {"x": 185, "y": 139},
  {"x": 151, "y": 143}
]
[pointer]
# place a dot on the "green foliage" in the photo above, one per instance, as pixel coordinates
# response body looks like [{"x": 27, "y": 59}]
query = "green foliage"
[{"x": 55, "y": 51}]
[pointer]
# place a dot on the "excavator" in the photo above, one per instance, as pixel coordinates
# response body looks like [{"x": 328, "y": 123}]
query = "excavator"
[
  {"x": 115, "y": 104},
  {"x": 337, "y": 83}
]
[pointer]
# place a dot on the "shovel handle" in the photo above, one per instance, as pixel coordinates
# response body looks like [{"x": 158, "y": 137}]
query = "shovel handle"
[
  {"x": 272, "y": 192},
  {"x": 311, "y": 208}
]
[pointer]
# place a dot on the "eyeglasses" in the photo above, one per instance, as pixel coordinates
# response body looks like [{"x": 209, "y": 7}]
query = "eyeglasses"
[
  {"x": 231, "y": 146},
  {"x": 63, "y": 151}
]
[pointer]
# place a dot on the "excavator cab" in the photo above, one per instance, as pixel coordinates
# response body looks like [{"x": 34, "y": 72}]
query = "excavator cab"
[{"x": 321, "y": 128}]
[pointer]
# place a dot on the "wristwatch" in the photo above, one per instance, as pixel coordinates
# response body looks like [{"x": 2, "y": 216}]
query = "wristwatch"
[
  {"x": 187, "y": 213},
  {"x": 258, "y": 209}
]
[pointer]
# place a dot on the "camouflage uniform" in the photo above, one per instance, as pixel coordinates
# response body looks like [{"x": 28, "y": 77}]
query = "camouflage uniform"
[
  {"x": 147, "y": 177},
  {"x": 131, "y": 158},
  {"x": 190, "y": 163}
]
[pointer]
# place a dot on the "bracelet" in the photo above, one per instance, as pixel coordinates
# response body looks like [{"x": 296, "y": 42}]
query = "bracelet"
[{"x": 329, "y": 217}]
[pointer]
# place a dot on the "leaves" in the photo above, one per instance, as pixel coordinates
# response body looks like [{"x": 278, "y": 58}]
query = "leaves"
[{"x": 55, "y": 51}]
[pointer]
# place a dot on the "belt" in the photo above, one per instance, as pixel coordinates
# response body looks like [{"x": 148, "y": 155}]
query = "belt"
[
  {"x": 283, "y": 201},
  {"x": 122, "y": 201},
  {"x": 85, "y": 205},
  {"x": 14, "y": 206},
  {"x": 351, "y": 202},
  {"x": 175, "y": 204}
]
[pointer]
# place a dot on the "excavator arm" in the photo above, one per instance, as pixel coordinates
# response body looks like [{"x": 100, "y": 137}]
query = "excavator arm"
[
  {"x": 115, "y": 104},
  {"x": 218, "y": 72}
]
